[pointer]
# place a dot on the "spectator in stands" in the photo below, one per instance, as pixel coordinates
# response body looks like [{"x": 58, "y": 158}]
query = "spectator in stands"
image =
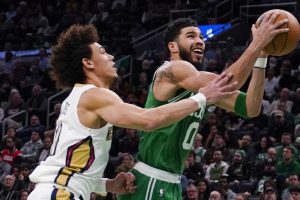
[
  {"x": 238, "y": 170},
  {"x": 10, "y": 152},
  {"x": 24, "y": 193},
  {"x": 246, "y": 145},
  {"x": 286, "y": 140},
  {"x": 11, "y": 132},
  {"x": 54, "y": 116},
  {"x": 269, "y": 193},
  {"x": 294, "y": 192},
  {"x": 279, "y": 124},
  {"x": 43, "y": 59},
  {"x": 288, "y": 165},
  {"x": 193, "y": 170},
  {"x": 34, "y": 124},
  {"x": 192, "y": 192},
  {"x": 15, "y": 105},
  {"x": 292, "y": 181},
  {"x": 44, "y": 152},
  {"x": 286, "y": 79},
  {"x": 271, "y": 82},
  {"x": 261, "y": 148},
  {"x": 218, "y": 143},
  {"x": 203, "y": 189},
  {"x": 127, "y": 163},
  {"x": 32, "y": 147},
  {"x": 241, "y": 197},
  {"x": 224, "y": 189},
  {"x": 37, "y": 103},
  {"x": 284, "y": 99},
  {"x": 296, "y": 101},
  {"x": 4, "y": 169},
  {"x": 128, "y": 141},
  {"x": 7, "y": 192},
  {"x": 211, "y": 136},
  {"x": 215, "y": 195},
  {"x": 198, "y": 148},
  {"x": 35, "y": 76},
  {"x": 216, "y": 169}
]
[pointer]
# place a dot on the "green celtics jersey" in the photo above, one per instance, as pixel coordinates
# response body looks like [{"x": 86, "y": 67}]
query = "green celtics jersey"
[{"x": 167, "y": 148}]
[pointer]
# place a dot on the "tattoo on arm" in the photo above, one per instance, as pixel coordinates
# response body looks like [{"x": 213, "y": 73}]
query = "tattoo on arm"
[{"x": 167, "y": 73}]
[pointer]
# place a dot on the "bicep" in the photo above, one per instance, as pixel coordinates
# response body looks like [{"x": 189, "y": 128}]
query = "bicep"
[{"x": 124, "y": 115}]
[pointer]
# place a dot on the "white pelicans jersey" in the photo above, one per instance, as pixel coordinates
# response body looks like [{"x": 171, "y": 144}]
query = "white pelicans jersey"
[{"x": 78, "y": 155}]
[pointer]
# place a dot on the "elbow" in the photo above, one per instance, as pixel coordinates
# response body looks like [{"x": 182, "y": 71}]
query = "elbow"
[{"x": 151, "y": 125}]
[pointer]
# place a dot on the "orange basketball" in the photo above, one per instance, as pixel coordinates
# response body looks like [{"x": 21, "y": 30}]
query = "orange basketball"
[{"x": 283, "y": 43}]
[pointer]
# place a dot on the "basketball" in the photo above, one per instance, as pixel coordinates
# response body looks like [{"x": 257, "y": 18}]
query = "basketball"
[{"x": 283, "y": 43}]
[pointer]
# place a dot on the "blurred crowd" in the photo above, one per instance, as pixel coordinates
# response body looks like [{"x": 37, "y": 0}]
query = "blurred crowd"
[{"x": 232, "y": 158}]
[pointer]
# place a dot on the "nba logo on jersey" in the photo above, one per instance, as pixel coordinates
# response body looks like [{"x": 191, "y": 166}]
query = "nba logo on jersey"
[{"x": 109, "y": 133}]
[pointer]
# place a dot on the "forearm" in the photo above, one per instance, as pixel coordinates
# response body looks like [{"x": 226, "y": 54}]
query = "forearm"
[
  {"x": 170, "y": 113},
  {"x": 255, "y": 92},
  {"x": 242, "y": 68}
]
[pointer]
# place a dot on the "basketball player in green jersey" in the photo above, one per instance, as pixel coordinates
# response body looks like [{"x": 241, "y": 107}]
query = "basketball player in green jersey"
[{"x": 162, "y": 154}]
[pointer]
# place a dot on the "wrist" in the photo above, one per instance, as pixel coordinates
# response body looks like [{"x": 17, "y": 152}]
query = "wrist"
[
  {"x": 200, "y": 100},
  {"x": 261, "y": 63}
]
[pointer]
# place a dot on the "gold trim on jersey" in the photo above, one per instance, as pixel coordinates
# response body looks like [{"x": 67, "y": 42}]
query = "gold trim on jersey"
[{"x": 80, "y": 157}]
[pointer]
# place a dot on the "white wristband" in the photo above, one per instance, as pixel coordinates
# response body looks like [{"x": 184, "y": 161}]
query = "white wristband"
[
  {"x": 200, "y": 99},
  {"x": 261, "y": 63}
]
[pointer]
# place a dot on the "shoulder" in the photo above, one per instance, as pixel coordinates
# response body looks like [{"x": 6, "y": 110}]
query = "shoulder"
[{"x": 98, "y": 97}]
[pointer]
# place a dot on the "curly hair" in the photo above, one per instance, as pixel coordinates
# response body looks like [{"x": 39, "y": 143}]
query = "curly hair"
[
  {"x": 72, "y": 46},
  {"x": 174, "y": 28}
]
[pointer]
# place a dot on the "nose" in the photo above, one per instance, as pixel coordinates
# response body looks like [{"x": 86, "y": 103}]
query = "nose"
[{"x": 111, "y": 57}]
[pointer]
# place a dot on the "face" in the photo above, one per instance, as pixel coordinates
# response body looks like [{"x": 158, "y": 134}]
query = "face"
[
  {"x": 24, "y": 195},
  {"x": 102, "y": 62},
  {"x": 295, "y": 195},
  {"x": 214, "y": 196},
  {"x": 287, "y": 154},
  {"x": 272, "y": 154},
  {"x": 11, "y": 132},
  {"x": 263, "y": 142},
  {"x": 246, "y": 140},
  {"x": 217, "y": 156},
  {"x": 9, "y": 181},
  {"x": 35, "y": 136},
  {"x": 192, "y": 192},
  {"x": 270, "y": 195},
  {"x": 293, "y": 180},
  {"x": 239, "y": 197},
  {"x": 285, "y": 140},
  {"x": 10, "y": 143},
  {"x": 34, "y": 120},
  {"x": 47, "y": 143},
  {"x": 237, "y": 157},
  {"x": 202, "y": 187},
  {"x": 191, "y": 45}
]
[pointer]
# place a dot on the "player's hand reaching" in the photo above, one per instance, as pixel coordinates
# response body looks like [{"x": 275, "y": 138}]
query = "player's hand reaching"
[
  {"x": 267, "y": 29},
  {"x": 123, "y": 183},
  {"x": 219, "y": 88}
]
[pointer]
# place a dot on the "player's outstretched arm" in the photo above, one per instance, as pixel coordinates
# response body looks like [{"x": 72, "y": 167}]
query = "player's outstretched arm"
[
  {"x": 109, "y": 107},
  {"x": 262, "y": 36}
]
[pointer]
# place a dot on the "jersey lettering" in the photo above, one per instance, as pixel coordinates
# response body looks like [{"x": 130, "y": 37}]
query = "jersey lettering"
[{"x": 190, "y": 136}]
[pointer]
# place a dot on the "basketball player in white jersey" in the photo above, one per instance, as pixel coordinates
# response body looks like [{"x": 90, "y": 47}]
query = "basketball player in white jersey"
[{"x": 82, "y": 139}]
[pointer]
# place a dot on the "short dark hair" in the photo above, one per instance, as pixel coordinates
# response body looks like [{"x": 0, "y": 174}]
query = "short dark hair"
[
  {"x": 174, "y": 29},
  {"x": 295, "y": 188},
  {"x": 72, "y": 46}
]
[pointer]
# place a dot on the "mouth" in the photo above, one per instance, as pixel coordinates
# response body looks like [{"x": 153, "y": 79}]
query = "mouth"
[{"x": 198, "y": 51}]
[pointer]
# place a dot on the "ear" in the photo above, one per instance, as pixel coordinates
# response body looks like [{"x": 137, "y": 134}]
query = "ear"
[
  {"x": 87, "y": 63},
  {"x": 173, "y": 47}
]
